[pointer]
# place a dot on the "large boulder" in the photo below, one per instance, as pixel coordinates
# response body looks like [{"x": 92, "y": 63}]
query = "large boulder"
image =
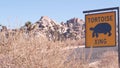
[{"x": 76, "y": 25}]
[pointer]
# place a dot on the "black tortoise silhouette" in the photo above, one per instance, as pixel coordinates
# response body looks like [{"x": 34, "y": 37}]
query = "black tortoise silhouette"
[{"x": 101, "y": 28}]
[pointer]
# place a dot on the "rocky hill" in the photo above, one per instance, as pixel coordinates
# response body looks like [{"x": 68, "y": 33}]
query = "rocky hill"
[{"x": 71, "y": 29}]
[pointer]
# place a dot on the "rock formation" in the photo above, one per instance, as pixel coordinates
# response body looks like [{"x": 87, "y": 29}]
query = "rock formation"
[{"x": 73, "y": 29}]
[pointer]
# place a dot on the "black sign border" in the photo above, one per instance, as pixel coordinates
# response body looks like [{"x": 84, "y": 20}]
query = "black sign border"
[{"x": 115, "y": 30}]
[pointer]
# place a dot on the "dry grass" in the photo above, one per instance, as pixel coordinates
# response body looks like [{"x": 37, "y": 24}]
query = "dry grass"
[
  {"x": 108, "y": 60},
  {"x": 22, "y": 51}
]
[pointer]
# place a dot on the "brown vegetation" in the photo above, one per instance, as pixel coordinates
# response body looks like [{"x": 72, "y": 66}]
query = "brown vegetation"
[{"x": 27, "y": 51}]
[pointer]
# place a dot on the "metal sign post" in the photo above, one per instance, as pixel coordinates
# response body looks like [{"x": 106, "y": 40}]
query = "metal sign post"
[
  {"x": 118, "y": 37},
  {"x": 103, "y": 26}
]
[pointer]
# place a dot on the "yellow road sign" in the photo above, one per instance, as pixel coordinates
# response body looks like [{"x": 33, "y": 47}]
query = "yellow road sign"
[{"x": 101, "y": 29}]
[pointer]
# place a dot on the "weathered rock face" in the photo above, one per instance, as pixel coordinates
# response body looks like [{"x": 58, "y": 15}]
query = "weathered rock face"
[
  {"x": 45, "y": 22},
  {"x": 76, "y": 25}
]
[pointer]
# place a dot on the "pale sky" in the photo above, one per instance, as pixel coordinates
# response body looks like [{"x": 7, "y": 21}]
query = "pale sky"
[{"x": 14, "y": 13}]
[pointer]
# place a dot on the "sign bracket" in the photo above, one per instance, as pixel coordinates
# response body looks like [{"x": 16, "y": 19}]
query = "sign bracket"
[{"x": 98, "y": 10}]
